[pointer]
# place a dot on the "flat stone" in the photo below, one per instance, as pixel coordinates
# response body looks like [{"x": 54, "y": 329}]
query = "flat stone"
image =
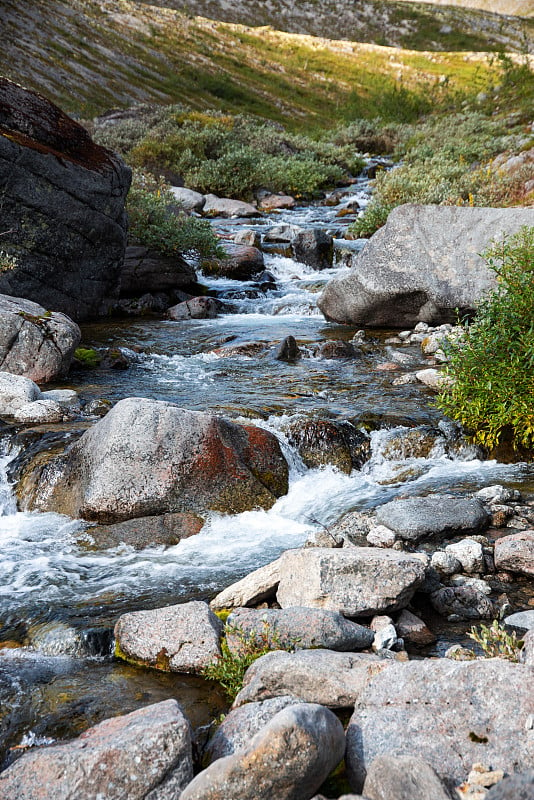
[
  {"x": 39, "y": 412},
  {"x": 225, "y": 207},
  {"x": 346, "y": 580},
  {"x": 332, "y": 679},
  {"x": 141, "y": 532},
  {"x": 66, "y": 398},
  {"x": 180, "y": 638},
  {"x": 450, "y": 714},
  {"x": 515, "y": 553},
  {"x": 145, "y": 755},
  {"x": 288, "y": 759},
  {"x": 254, "y": 588},
  {"x": 301, "y": 628},
  {"x": 403, "y": 778},
  {"x": 441, "y": 516}
]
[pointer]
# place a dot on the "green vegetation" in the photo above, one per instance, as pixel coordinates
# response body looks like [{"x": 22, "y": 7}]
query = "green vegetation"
[
  {"x": 496, "y": 642},
  {"x": 491, "y": 366},
  {"x": 7, "y": 261},
  {"x": 87, "y": 357},
  {"x": 229, "y": 668},
  {"x": 154, "y": 224}
]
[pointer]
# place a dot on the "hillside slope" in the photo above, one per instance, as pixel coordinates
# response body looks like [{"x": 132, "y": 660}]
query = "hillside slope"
[
  {"x": 520, "y": 8},
  {"x": 91, "y": 55}
]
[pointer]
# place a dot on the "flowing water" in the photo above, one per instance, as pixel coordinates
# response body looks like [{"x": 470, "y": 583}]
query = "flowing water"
[{"x": 60, "y": 598}]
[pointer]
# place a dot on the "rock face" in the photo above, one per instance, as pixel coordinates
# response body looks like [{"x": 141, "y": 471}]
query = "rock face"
[
  {"x": 148, "y": 457},
  {"x": 63, "y": 201},
  {"x": 516, "y": 787},
  {"x": 436, "y": 515},
  {"x": 181, "y": 638},
  {"x": 450, "y": 714},
  {"x": 332, "y": 679},
  {"x": 356, "y": 581},
  {"x": 34, "y": 342},
  {"x": 147, "y": 270},
  {"x": 420, "y": 266},
  {"x": 145, "y": 755},
  {"x": 516, "y": 553},
  {"x": 403, "y": 778},
  {"x": 301, "y": 628},
  {"x": 288, "y": 759}
]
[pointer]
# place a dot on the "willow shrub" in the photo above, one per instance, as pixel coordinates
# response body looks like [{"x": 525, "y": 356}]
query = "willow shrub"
[{"x": 492, "y": 365}]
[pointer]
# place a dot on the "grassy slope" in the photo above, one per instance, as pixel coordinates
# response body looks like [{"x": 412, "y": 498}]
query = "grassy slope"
[
  {"x": 412, "y": 25},
  {"x": 89, "y": 56},
  {"x": 520, "y": 8}
]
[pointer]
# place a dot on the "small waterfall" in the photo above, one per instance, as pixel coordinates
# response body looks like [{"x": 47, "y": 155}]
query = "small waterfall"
[{"x": 8, "y": 502}]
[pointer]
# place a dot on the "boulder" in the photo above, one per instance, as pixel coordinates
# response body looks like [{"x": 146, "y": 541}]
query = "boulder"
[
  {"x": 287, "y": 350},
  {"x": 146, "y": 270},
  {"x": 515, "y": 553},
  {"x": 521, "y": 620},
  {"x": 332, "y": 679},
  {"x": 248, "y": 237},
  {"x": 188, "y": 199},
  {"x": 241, "y": 724},
  {"x": 449, "y": 713},
  {"x": 433, "y": 378},
  {"x": 196, "y": 308},
  {"x": 346, "y": 580},
  {"x": 145, "y": 755},
  {"x": 254, "y": 588},
  {"x": 469, "y": 553},
  {"x": 271, "y": 202},
  {"x": 403, "y": 778},
  {"x": 321, "y": 442},
  {"x": 440, "y": 516},
  {"x": 181, "y": 638},
  {"x": 63, "y": 205},
  {"x": 148, "y": 457},
  {"x": 225, "y": 207},
  {"x": 302, "y": 628},
  {"x": 313, "y": 247},
  {"x": 464, "y": 602},
  {"x": 413, "y": 630},
  {"x": 421, "y": 266},
  {"x": 281, "y": 234},
  {"x": 288, "y": 759},
  {"x": 16, "y": 392},
  {"x": 34, "y": 342},
  {"x": 66, "y": 398},
  {"x": 242, "y": 263},
  {"x": 141, "y": 532},
  {"x": 515, "y": 787},
  {"x": 337, "y": 348},
  {"x": 40, "y": 412}
]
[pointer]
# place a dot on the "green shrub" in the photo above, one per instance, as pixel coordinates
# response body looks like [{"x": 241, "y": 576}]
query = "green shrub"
[
  {"x": 496, "y": 642},
  {"x": 153, "y": 224},
  {"x": 374, "y": 216},
  {"x": 7, "y": 261},
  {"x": 491, "y": 366}
]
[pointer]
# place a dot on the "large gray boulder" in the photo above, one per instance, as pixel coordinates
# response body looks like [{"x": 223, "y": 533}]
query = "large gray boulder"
[
  {"x": 288, "y": 759},
  {"x": 515, "y": 787},
  {"x": 145, "y": 755},
  {"x": 346, "y": 580},
  {"x": 149, "y": 457},
  {"x": 35, "y": 342},
  {"x": 301, "y": 628},
  {"x": 441, "y": 516},
  {"x": 181, "y": 638},
  {"x": 452, "y": 714},
  {"x": 63, "y": 205},
  {"x": 421, "y": 266},
  {"x": 403, "y": 778},
  {"x": 332, "y": 679}
]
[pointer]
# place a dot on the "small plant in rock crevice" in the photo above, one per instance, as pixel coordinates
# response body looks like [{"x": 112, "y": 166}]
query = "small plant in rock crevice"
[
  {"x": 8, "y": 262},
  {"x": 496, "y": 642}
]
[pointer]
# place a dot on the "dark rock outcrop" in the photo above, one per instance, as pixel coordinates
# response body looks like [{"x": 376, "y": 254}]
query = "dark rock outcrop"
[
  {"x": 146, "y": 270},
  {"x": 62, "y": 206}
]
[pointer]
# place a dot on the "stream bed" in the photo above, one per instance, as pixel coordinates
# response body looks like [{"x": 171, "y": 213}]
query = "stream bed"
[{"x": 59, "y": 597}]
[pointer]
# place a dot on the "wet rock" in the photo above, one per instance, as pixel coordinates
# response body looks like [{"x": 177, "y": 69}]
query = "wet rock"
[
  {"x": 98, "y": 407},
  {"x": 188, "y": 199},
  {"x": 271, "y": 202},
  {"x": 497, "y": 494},
  {"x": 402, "y": 443},
  {"x": 248, "y": 237},
  {"x": 114, "y": 358},
  {"x": 254, "y": 588},
  {"x": 440, "y": 516},
  {"x": 321, "y": 442},
  {"x": 40, "y": 412},
  {"x": 315, "y": 676},
  {"x": 64, "y": 202},
  {"x": 145, "y": 754},
  {"x": 287, "y": 350},
  {"x": 413, "y": 630},
  {"x": 514, "y": 787},
  {"x": 281, "y": 234},
  {"x": 313, "y": 247},
  {"x": 345, "y": 580},
  {"x": 16, "y": 392},
  {"x": 225, "y": 207},
  {"x": 337, "y": 349},
  {"x": 66, "y": 398},
  {"x": 34, "y": 342},
  {"x": 515, "y": 553},
  {"x": 450, "y": 714},
  {"x": 242, "y": 263},
  {"x": 147, "y": 271},
  {"x": 465, "y": 602},
  {"x": 301, "y": 628},
  {"x": 181, "y": 638},
  {"x": 196, "y": 308},
  {"x": 241, "y": 724},
  {"x": 421, "y": 266},
  {"x": 289, "y": 758},
  {"x": 469, "y": 553},
  {"x": 141, "y": 532},
  {"x": 403, "y": 778},
  {"x": 521, "y": 620},
  {"x": 148, "y": 457}
]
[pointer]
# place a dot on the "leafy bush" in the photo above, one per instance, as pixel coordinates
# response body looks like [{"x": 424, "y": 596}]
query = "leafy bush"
[
  {"x": 154, "y": 224},
  {"x": 496, "y": 642},
  {"x": 374, "y": 216},
  {"x": 491, "y": 366}
]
